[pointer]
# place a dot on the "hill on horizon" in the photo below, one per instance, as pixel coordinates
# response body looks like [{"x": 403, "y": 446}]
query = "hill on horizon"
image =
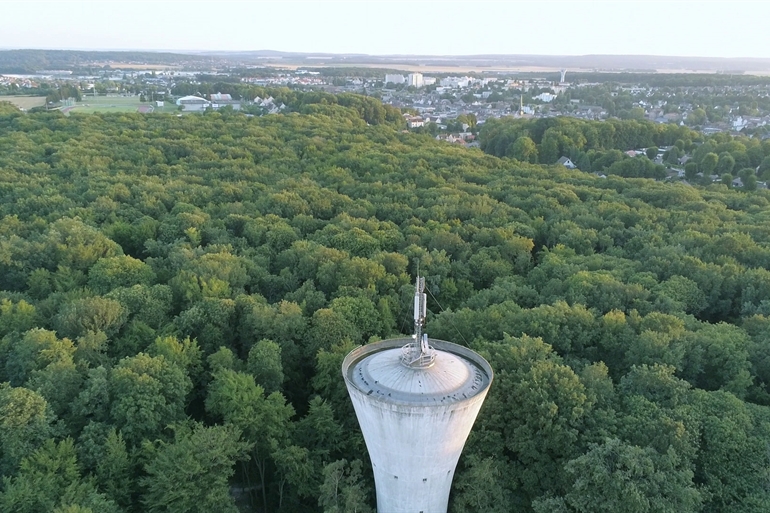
[{"x": 31, "y": 60}]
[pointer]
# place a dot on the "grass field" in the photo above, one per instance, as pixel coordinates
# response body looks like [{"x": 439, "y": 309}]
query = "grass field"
[
  {"x": 90, "y": 104},
  {"x": 168, "y": 108},
  {"x": 24, "y": 102}
]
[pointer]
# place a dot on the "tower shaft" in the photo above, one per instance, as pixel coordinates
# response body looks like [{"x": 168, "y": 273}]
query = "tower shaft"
[{"x": 415, "y": 420}]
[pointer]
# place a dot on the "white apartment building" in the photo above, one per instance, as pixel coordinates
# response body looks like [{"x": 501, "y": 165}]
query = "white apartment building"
[
  {"x": 395, "y": 79},
  {"x": 545, "y": 97},
  {"x": 455, "y": 82},
  {"x": 415, "y": 80}
]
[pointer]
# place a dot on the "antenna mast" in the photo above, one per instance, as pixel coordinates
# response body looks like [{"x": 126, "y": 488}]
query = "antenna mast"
[
  {"x": 419, "y": 354},
  {"x": 420, "y": 309}
]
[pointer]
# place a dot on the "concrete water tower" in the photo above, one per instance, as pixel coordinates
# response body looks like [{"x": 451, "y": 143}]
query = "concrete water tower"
[{"x": 416, "y": 400}]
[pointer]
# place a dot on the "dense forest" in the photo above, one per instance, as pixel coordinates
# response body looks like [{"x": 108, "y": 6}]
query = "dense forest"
[
  {"x": 545, "y": 140},
  {"x": 653, "y": 79},
  {"x": 177, "y": 295},
  {"x": 599, "y": 146}
]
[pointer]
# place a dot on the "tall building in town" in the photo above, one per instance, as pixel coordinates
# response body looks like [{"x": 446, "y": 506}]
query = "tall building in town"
[
  {"x": 414, "y": 79},
  {"x": 394, "y": 79},
  {"x": 416, "y": 400}
]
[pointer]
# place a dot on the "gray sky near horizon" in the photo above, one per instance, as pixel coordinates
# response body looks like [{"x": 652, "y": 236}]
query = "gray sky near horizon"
[{"x": 675, "y": 27}]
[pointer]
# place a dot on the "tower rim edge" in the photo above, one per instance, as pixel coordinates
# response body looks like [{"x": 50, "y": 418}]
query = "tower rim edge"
[{"x": 363, "y": 351}]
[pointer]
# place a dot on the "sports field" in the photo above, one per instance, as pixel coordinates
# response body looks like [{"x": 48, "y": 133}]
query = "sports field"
[
  {"x": 91, "y": 104},
  {"x": 24, "y": 102}
]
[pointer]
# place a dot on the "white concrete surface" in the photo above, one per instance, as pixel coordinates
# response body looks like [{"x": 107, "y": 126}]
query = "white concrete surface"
[{"x": 415, "y": 421}]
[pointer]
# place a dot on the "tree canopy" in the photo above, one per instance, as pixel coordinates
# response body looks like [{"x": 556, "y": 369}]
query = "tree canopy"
[{"x": 177, "y": 295}]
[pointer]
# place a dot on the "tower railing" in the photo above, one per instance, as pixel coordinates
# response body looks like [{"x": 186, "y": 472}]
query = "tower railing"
[{"x": 415, "y": 357}]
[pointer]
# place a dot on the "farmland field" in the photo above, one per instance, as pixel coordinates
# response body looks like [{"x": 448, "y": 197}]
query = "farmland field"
[{"x": 24, "y": 102}]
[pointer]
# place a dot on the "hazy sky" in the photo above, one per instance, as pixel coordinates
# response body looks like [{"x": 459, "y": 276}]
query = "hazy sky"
[{"x": 710, "y": 29}]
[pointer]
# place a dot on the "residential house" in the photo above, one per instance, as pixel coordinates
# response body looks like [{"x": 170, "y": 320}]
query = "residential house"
[
  {"x": 566, "y": 162},
  {"x": 414, "y": 121}
]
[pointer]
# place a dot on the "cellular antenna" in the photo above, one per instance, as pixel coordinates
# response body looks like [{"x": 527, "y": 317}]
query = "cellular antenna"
[
  {"x": 416, "y": 400},
  {"x": 418, "y": 354}
]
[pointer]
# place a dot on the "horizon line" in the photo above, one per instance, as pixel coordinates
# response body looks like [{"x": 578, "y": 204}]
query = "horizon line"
[{"x": 360, "y": 54}]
